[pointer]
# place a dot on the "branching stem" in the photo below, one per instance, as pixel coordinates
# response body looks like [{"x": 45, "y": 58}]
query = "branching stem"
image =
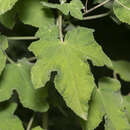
[{"x": 99, "y": 5}]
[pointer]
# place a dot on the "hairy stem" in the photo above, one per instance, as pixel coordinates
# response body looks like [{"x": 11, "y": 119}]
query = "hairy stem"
[
  {"x": 22, "y": 38},
  {"x": 99, "y": 5},
  {"x": 60, "y": 27},
  {"x": 45, "y": 121},
  {"x": 30, "y": 122},
  {"x": 96, "y": 16}
]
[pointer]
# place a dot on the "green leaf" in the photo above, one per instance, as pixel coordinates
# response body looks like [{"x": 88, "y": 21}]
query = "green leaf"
[
  {"x": 113, "y": 105},
  {"x": 32, "y": 12},
  {"x": 95, "y": 113},
  {"x": 126, "y": 101},
  {"x": 8, "y": 121},
  {"x": 8, "y": 19},
  {"x": 122, "y": 68},
  {"x": 122, "y": 10},
  {"x": 21, "y": 82},
  {"x": 37, "y": 128},
  {"x": 3, "y": 46},
  {"x": 74, "y": 7},
  {"x": 74, "y": 80},
  {"x": 6, "y": 5}
]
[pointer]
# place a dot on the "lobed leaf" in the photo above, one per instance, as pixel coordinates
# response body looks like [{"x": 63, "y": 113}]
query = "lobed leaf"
[
  {"x": 95, "y": 113},
  {"x": 112, "y": 101},
  {"x": 21, "y": 82},
  {"x": 74, "y": 7},
  {"x": 74, "y": 80},
  {"x": 8, "y": 121},
  {"x": 32, "y": 12},
  {"x": 122, "y": 68}
]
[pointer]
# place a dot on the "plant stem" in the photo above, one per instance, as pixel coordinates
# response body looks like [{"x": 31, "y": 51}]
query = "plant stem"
[
  {"x": 99, "y": 5},
  {"x": 96, "y": 16},
  {"x": 115, "y": 75},
  {"x": 60, "y": 26},
  {"x": 22, "y": 38},
  {"x": 32, "y": 59},
  {"x": 30, "y": 122},
  {"x": 45, "y": 121},
  {"x": 86, "y": 8}
]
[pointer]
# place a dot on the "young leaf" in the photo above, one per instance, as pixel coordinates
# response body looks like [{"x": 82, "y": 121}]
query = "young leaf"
[
  {"x": 8, "y": 121},
  {"x": 6, "y": 5},
  {"x": 74, "y": 80},
  {"x": 74, "y": 7},
  {"x": 113, "y": 104},
  {"x": 3, "y": 46},
  {"x": 123, "y": 69},
  {"x": 21, "y": 82},
  {"x": 32, "y": 12},
  {"x": 122, "y": 10}
]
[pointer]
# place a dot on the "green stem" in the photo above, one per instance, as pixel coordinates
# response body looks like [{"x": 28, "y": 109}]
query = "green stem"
[
  {"x": 99, "y": 5},
  {"x": 45, "y": 121},
  {"x": 96, "y": 16},
  {"x": 32, "y": 59},
  {"x": 30, "y": 122},
  {"x": 115, "y": 75},
  {"x": 22, "y": 38},
  {"x": 60, "y": 26}
]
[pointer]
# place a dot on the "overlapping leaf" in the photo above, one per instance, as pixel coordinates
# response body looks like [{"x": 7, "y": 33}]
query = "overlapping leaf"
[
  {"x": 123, "y": 69},
  {"x": 95, "y": 113},
  {"x": 3, "y": 47},
  {"x": 113, "y": 105},
  {"x": 32, "y": 12},
  {"x": 74, "y": 80},
  {"x": 8, "y": 121},
  {"x": 74, "y": 7},
  {"x": 17, "y": 77},
  {"x": 122, "y": 10},
  {"x": 6, "y": 5},
  {"x": 107, "y": 101}
]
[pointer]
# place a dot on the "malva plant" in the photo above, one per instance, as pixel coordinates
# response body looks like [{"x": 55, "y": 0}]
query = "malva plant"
[{"x": 52, "y": 85}]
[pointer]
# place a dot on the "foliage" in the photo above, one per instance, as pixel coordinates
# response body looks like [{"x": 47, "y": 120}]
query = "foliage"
[{"x": 48, "y": 78}]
